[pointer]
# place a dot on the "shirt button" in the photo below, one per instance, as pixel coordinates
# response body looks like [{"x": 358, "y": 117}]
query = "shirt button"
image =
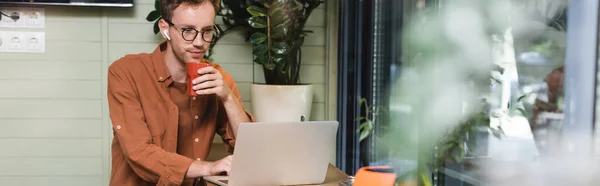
[
  {"x": 160, "y": 78},
  {"x": 198, "y": 159},
  {"x": 118, "y": 126},
  {"x": 196, "y": 117},
  {"x": 194, "y": 98},
  {"x": 196, "y": 140}
]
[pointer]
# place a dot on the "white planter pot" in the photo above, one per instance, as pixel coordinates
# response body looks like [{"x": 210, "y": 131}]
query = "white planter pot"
[{"x": 275, "y": 103}]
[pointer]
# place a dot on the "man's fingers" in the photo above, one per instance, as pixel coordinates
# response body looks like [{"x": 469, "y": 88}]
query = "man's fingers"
[
  {"x": 226, "y": 166},
  {"x": 206, "y": 85},
  {"x": 206, "y": 91},
  {"x": 228, "y": 169},
  {"x": 208, "y": 70},
  {"x": 206, "y": 77}
]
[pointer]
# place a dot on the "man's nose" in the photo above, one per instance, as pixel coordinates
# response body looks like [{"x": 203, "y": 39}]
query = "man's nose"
[{"x": 199, "y": 41}]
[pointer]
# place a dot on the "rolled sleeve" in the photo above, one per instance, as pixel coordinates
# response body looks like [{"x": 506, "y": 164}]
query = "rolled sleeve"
[
  {"x": 149, "y": 161},
  {"x": 224, "y": 127},
  {"x": 226, "y": 132}
]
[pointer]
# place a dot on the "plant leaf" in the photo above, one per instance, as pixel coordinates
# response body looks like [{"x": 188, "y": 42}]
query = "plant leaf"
[
  {"x": 269, "y": 66},
  {"x": 220, "y": 28},
  {"x": 153, "y": 15},
  {"x": 278, "y": 59},
  {"x": 298, "y": 42},
  {"x": 363, "y": 135},
  {"x": 259, "y": 49},
  {"x": 362, "y": 101},
  {"x": 471, "y": 145},
  {"x": 281, "y": 48},
  {"x": 359, "y": 118},
  {"x": 261, "y": 59},
  {"x": 279, "y": 31},
  {"x": 361, "y": 127},
  {"x": 523, "y": 112},
  {"x": 365, "y": 130},
  {"x": 256, "y": 11},
  {"x": 277, "y": 15},
  {"x": 383, "y": 109},
  {"x": 448, "y": 146},
  {"x": 157, "y": 6},
  {"x": 264, "y": 2},
  {"x": 498, "y": 68},
  {"x": 368, "y": 125},
  {"x": 425, "y": 179},
  {"x": 460, "y": 156},
  {"x": 227, "y": 21},
  {"x": 283, "y": 12},
  {"x": 277, "y": 35},
  {"x": 257, "y": 22},
  {"x": 522, "y": 97},
  {"x": 258, "y": 38}
]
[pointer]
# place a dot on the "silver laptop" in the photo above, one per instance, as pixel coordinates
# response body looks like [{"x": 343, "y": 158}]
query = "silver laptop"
[{"x": 280, "y": 153}]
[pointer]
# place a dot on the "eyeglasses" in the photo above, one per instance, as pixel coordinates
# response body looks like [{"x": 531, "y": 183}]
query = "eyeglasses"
[{"x": 190, "y": 34}]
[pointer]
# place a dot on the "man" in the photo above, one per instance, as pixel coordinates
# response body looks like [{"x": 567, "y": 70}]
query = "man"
[{"x": 162, "y": 135}]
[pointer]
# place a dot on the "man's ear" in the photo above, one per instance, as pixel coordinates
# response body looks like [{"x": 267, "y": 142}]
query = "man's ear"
[{"x": 163, "y": 26}]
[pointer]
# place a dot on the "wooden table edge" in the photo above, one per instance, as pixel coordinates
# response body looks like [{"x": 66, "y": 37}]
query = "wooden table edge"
[{"x": 333, "y": 177}]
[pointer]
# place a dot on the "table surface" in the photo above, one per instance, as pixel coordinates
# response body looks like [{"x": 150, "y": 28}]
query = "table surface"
[{"x": 333, "y": 177}]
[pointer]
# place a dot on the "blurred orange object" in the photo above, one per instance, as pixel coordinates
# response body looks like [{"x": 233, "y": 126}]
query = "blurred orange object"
[{"x": 375, "y": 176}]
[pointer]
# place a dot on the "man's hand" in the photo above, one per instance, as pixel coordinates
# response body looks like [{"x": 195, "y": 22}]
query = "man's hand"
[
  {"x": 211, "y": 82},
  {"x": 221, "y": 166},
  {"x": 205, "y": 168}
]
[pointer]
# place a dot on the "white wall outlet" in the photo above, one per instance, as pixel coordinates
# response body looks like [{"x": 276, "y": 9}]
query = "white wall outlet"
[
  {"x": 35, "y": 42},
  {"x": 7, "y": 22},
  {"x": 16, "y": 42},
  {"x": 28, "y": 17},
  {"x": 31, "y": 42}
]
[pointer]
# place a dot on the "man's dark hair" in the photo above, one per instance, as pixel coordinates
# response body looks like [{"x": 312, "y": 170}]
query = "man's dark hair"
[{"x": 167, "y": 6}]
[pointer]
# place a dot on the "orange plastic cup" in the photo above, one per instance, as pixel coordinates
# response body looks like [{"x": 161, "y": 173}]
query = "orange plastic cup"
[
  {"x": 375, "y": 176},
  {"x": 192, "y": 73}
]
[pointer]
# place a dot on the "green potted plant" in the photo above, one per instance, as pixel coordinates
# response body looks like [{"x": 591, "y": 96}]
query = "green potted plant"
[{"x": 276, "y": 46}]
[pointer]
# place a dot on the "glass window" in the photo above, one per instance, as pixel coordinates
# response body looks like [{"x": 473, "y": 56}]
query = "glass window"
[
  {"x": 540, "y": 51},
  {"x": 453, "y": 84}
]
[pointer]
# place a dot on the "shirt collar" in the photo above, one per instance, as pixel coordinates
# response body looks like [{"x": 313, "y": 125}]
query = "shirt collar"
[{"x": 163, "y": 74}]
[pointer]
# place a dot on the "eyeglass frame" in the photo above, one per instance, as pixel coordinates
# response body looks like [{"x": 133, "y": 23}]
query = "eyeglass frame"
[{"x": 218, "y": 32}]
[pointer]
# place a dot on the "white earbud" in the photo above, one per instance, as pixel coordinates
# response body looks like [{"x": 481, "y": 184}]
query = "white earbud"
[{"x": 166, "y": 32}]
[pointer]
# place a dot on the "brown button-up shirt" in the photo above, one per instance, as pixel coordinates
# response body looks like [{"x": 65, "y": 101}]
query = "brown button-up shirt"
[{"x": 153, "y": 143}]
